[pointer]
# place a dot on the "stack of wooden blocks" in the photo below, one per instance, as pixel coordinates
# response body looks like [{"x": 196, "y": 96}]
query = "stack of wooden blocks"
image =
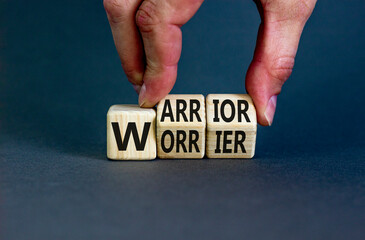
[{"x": 185, "y": 126}]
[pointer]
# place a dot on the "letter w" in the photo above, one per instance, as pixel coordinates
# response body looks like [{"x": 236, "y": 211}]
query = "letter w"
[{"x": 131, "y": 128}]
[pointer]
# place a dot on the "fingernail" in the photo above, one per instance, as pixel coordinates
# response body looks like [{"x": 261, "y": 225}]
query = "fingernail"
[
  {"x": 142, "y": 92},
  {"x": 270, "y": 109},
  {"x": 137, "y": 88}
]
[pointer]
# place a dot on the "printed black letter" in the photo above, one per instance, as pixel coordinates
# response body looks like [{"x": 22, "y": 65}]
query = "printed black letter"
[
  {"x": 167, "y": 111},
  {"x": 131, "y": 128}
]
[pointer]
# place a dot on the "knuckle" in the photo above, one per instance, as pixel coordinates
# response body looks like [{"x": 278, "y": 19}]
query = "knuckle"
[
  {"x": 282, "y": 68},
  {"x": 147, "y": 16},
  {"x": 117, "y": 10}
]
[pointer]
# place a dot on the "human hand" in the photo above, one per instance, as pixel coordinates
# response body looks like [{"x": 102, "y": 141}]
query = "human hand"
[{"x": 148, "y": 39}]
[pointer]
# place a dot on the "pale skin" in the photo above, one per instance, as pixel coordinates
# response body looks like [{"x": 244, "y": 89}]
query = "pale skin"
[{"x": 148, "y": 39}]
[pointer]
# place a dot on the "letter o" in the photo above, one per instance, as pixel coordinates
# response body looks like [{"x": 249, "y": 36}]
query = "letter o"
[
  {"x": 164, "y": 148},
  {"x": 224, "y": 117}
]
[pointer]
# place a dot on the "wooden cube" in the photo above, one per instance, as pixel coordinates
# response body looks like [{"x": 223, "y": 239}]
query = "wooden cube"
[
  {"x": 131, "y": 133},
  {"x": 231, "y": 126},
  {"x": 181, "y": 126}
]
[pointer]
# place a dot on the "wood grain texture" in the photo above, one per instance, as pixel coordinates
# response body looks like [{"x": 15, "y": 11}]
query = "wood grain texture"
[
  {"x": 181, "y": 125},
  {"x": 135, "y": 124},
  {"x": 231, "y": 126}
]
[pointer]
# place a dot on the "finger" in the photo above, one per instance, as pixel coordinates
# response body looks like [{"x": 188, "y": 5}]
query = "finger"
[
  {"x": 121, "y": 16},
  {"x": 276, "y": 47},
  {"x": 159, "y": 23}
]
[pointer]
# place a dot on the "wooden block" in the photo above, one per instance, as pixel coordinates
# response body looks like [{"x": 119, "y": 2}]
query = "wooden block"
[
  {"x": 181, "y": 126},
  {"x": 131, "y": 133},
  {"x": 231, "y": 126}
]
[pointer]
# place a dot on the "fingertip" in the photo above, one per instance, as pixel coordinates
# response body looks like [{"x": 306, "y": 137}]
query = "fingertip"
[
  {"x": 270, "y": 110},
  {"x": 265, "y": 114},
  {"x": 149, "y": 98},
  {"x": 265, "y": 106},
  {"x": 157, "y": 84},
  {"x": 258, "y": 85},
  {"x": 143, "y": 100}
]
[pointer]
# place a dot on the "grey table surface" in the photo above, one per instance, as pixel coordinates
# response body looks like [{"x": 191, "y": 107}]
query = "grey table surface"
[{"x": 59, "y": 73}]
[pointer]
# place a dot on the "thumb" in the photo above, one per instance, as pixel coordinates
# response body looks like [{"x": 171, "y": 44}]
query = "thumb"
[
  {"x": 276, "y": 47},
  {"x": 159, "y": 23}
]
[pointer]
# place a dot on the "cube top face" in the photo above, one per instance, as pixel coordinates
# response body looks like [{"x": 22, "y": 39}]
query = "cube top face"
[
  {"x": 230, "y": 111},
  {"x": 131, "y": 133},
  {"x": 231, "y": 126},
  {"x": 130, "y": 109},
  {"x": 181, "y": 126},
  {"x": 178, "y": 110}
]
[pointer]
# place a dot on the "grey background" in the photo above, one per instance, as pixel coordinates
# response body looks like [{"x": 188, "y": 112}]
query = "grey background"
[{"x": 59, "y": 73}]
